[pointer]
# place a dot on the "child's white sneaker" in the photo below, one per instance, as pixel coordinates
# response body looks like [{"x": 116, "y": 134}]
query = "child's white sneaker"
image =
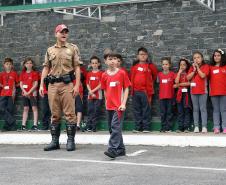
[
  {"x": 204, "y": 130},
  {"x": 196, "y": 130}
]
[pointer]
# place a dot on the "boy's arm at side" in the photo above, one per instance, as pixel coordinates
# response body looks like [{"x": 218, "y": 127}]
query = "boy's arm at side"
[
  {"x": 96, "y": 88},
  {"x": 122, "y": 107}
]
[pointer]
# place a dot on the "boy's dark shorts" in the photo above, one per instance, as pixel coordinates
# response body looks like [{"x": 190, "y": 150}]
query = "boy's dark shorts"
[
  {"x": 31, "y": 101},
  {"x": 78, "y": 104}
]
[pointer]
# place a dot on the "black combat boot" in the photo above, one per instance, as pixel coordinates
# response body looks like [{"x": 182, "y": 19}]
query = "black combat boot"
[
  {"x": 71, "y": 129},
  {"x": 55, "y": 132}
]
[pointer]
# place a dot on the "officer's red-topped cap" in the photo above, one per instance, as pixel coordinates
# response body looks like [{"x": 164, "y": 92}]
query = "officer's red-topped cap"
[{"x": 61, "y": 27}]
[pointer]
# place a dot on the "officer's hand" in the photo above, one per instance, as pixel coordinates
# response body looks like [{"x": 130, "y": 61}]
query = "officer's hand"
[
  {"x": 41, "y": 91},
  {"x": 75, "y": 90}
]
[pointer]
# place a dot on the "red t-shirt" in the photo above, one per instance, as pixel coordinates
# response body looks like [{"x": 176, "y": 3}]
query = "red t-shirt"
[
  {"x": 217, "y": 81},
  {"x": 28, "y": 80},
  {"x": 198, "y": 84},
  {"x": 166, "y": 82},
  {"x": 84, "y": 73},
  {"x": 9, "y": 81},
  {"x": 113, "y": 85},
  {"x": 93, "y": 79},
  {"x": 139, "y": 80}
]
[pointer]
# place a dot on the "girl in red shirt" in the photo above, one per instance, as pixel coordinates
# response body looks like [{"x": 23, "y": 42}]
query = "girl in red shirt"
[
  {"x": 28, "y": 84},
  {"x": 143, "y": 74},
  {"x": 166, "y": 94},
  {"x": 93, "y": 83},
  {"x": 217, "y": 87},
  {"x": 183, "y": 96},
  {"x": 197, "y": 75}
]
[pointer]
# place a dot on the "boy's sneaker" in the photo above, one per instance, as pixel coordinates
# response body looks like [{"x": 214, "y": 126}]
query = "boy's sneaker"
[
  {"x": 34, "y": 128},
  {"x": 110, "y": 154},
  {"x": 122, "y": 153},
  {"x": 224, "y": 131},
  {"x": 216, "y": 130},
  {"x": 146, "y": 131},
  {"x": 89, "y": 130},
  {"x": 204, "y": 130},
  {"x": 22, "y": 128},
  {"x": 196, "y": 130}
]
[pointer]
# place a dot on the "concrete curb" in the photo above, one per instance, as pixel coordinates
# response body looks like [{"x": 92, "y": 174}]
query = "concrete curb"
[{"x": 173, "y": 139}]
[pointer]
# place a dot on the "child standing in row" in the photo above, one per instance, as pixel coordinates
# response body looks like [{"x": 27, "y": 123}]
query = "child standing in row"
[
  {"x": 28, "y": 84},
  {"x": 184, "y": 106},
  {"x": 166, "y": 94},
  {"x": 8, "y": 81},
  {"x": 115, "y": 84},
  {"x": 143, "y": 76},
  {"x": 95, "y": 97},
  {"x": 198, "y": 74},
  {"x": 218, "y": 89}
]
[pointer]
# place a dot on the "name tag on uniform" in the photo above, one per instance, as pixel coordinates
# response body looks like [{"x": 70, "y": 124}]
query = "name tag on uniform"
[
  {"x": 92, "y": 78},
  {"x": 112, "y": 84},
  {"x": 25, "y": 86},
  {"x": 193, "y": 84},
  {"x": 6, "y": 87},
  {"x": 215, "y": 71},
  {"x": 140, "y": 69},
  {"x": 164, "y": 81},
  {"x": 184, "y": 90}
]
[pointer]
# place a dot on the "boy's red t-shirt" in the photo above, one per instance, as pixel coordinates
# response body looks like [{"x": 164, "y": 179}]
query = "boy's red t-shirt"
[
  {"x": 143, "y": 77},
  {"x": 114, "y": 85},
  {"x": 139, "y": 82},
  {"x": 217, "y": 85},
  {"x": 198, "y": 84},
  {"x": 166, "y": 82},
  {"x": 28, "y": 80},
  {"x": 9, "y": 81},
  {"x": 93, "y": 79}
]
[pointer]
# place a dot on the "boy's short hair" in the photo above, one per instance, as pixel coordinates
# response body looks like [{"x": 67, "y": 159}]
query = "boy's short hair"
[
  {"x": 142, "y": 49},
  {"x": 8, "y": 60},
  {"x": 95, "y": 58},
  {"x": 119, "y": 57},
  {"x": 166, "y": 58},
  {"x": 110, "y": 54}
]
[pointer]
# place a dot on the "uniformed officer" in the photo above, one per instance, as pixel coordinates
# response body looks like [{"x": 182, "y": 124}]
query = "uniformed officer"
[{"x": 61, "y": 63}]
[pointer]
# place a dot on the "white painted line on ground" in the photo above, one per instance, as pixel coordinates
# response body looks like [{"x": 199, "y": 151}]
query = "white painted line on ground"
[
  {"x": 139, "y": 152},
  {"x": 116, "y": 162}
]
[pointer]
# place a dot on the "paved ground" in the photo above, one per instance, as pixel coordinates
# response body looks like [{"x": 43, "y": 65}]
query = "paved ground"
[{"x": 30, "y": 165}]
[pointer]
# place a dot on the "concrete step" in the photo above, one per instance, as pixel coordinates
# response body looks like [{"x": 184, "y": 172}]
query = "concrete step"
[{"x": 153, "y": 138}]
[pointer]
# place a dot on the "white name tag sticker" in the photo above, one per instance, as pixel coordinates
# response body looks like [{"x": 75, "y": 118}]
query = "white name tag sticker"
[
  {"x": 25, "y": 86},
  {"x": 6, "y": 87},
  {"x": 92, "y": 78},
  {"x": 140, "y": 69},
  {"x": 193, "y": 84},
  {"x": 112, "y": 84},
  {"x": 184, "y": 90},
  {"x": 215, "y": 71},
  {"x": 164, "y": 81}
]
